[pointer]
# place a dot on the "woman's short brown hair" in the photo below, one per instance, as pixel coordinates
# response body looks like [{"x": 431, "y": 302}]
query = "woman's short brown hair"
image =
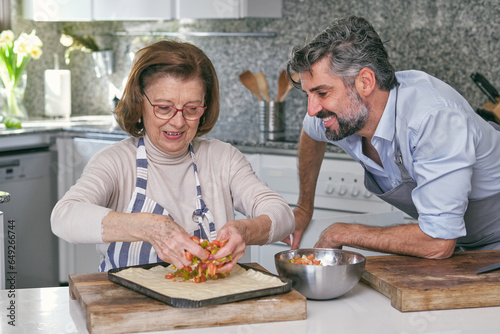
[{"x": 179, "y": 59}]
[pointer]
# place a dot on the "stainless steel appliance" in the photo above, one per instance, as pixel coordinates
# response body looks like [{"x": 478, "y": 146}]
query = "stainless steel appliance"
[{"x": 28, "y": 175}]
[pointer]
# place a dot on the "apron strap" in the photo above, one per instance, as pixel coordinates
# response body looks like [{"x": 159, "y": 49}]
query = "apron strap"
[{"x": 202, "y": 211}]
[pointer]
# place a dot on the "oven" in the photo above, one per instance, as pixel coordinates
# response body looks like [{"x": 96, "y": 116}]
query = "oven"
[{"x": 340, "y": 197}]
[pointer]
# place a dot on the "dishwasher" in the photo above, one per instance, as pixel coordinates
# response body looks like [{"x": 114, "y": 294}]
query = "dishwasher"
[{"x": 29, "y": 176}]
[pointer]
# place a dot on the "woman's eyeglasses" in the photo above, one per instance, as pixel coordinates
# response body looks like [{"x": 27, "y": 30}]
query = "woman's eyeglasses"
[{"x": 166, "y": 112}]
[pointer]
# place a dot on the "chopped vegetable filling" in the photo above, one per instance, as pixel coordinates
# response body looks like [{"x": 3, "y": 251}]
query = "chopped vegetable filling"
[
  {"x": 309, "y": 259},
  {"x": 201, "y": 271}
]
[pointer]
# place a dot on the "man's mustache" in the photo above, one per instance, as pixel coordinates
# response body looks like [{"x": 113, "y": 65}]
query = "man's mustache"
[{"x": 325, "y": 113}]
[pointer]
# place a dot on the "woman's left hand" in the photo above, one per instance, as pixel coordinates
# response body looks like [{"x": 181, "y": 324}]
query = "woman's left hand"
[{"x": 234, "y": 233}]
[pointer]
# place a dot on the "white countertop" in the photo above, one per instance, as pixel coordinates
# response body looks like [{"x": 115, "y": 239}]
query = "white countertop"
[{"x": 360, "y": 311}]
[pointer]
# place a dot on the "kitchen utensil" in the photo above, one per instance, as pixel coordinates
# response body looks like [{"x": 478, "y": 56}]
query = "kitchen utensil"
[
  {"x": 416, "y": 284},
  {"x": 111, "y": 308},
  {"x": 272, "y": 116},
  {"x": 262, "y": 84},
  {"x": 289, "y": 87},
  {"x": 486, "y": 115},
  {"x": 340, "y": 272},
  {"x": 489, "y": 268},
  {"x": 250, "y": 82},
  {"x": 282, "y": 85},
  {"x": 485, "y": 86}
]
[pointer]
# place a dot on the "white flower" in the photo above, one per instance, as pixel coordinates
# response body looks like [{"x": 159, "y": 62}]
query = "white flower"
[
  {"x": 6, "y": 37},
  {"x": 36, "y": 52},
  {"x": 34, "y": 40},
  {"x": 21, "y": 45},
  {"x": 28, "y": 45},
  {"x": 66, "y": 40},
  {"x": 15, "y": 55}
]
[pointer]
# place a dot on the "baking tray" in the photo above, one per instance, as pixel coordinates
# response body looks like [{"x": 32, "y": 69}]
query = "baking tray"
[{"x": 189, "y": 303}]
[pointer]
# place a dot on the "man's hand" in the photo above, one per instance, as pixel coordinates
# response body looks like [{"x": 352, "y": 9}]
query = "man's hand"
[
  {"x": 328, "y": 238},
  {"x": 405, "y": 239}
]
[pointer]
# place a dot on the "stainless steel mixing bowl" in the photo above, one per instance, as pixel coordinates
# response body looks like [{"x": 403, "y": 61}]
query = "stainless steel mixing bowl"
[{"x": 340, "y": 272}]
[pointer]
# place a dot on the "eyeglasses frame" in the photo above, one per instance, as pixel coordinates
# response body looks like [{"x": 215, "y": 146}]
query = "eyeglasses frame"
[{"x": 176, "y": 110}]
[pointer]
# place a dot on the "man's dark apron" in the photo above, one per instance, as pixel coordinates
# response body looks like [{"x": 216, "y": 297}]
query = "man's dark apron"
[{"x": 482, "y": 217}]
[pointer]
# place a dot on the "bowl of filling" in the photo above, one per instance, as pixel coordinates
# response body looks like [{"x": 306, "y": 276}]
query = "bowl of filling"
[{"x": 321, "y": 273}]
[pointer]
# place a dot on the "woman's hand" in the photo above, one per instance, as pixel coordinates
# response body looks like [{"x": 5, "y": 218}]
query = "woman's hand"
[
  {"x": 302, "y": 220},
  {"x": 171, "y": 241},
  {"x": 234, "y": 233},
  {"x": 168, "y": 239}
]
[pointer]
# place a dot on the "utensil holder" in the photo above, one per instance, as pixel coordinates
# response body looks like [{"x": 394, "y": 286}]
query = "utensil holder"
[{"x": 272, "y": 117}]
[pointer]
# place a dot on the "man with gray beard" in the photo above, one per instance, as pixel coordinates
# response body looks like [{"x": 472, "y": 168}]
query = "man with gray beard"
[{"x": 423, "y": 148}]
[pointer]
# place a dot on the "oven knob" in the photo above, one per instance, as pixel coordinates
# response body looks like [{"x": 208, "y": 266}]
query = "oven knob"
[
  {"x": 330, "y": 188},
  {"x": 355, "y": 192},
  {"x": 342, "y": 190},
  {"x": 368, "y": 194}
]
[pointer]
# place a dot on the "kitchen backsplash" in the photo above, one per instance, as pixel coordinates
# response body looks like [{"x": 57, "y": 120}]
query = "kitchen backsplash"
[{"x": 448, "y": 39}]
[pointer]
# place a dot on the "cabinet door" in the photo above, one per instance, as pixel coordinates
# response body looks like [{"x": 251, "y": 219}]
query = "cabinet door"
[
  {"x": 227, "y": 9},
  {"x": 261, "y": 8},
  {"x": 207, "y": 9},
  {"x": 133, "y": 10},
  {"x": 56, "y": 10}
]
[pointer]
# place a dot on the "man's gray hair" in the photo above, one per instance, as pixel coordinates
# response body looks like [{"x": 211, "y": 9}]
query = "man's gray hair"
[{"x": 351, "y": 44}]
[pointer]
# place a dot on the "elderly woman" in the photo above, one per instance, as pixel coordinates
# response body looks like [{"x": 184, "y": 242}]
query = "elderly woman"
[{"x": 141, "y": 199}]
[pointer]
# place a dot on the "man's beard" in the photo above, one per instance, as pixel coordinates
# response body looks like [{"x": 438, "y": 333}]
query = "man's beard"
[{"x": 355, "y": 119}]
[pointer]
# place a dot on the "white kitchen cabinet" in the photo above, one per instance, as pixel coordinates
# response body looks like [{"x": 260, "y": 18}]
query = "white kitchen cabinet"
[
  {"x": 261, "y": 8},
  {"x": 227, "y": 9},
  {"x": 204, "y": 9},
  {"x": 148, "y": 10},
  {"x": 98, "y": 10},
  {"x": 57, "y": 10},
  {"x": 133, "y": 10}
]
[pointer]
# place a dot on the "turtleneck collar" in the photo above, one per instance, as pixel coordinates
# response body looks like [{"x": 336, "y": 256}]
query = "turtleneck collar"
[{"x": 157, "y": 156}]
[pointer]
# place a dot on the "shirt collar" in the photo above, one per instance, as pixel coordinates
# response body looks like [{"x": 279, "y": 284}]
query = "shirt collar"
[{"x": 385, "y": 128}]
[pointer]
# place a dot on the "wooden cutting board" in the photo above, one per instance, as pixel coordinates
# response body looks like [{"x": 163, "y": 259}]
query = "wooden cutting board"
[
  {"x": 415, "y": 284},
  {"x": 111, "y": 308}
]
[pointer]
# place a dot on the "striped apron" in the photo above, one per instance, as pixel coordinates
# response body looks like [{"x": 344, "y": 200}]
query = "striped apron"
[{"x": 124, "y": 254}]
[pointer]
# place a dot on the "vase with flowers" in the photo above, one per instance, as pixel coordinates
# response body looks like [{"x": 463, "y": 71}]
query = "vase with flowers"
[{"x": 14, "y": 56}]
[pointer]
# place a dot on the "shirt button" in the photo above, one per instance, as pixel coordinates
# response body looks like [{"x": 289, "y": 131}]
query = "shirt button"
[{"x": 394, "y": 182}]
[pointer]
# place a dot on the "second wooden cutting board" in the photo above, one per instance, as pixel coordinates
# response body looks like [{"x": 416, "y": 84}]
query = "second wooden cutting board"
[{"x": 415, "y": 284}]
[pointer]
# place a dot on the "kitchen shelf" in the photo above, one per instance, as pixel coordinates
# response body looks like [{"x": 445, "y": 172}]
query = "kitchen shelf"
[{"x": 184, "y": 33}]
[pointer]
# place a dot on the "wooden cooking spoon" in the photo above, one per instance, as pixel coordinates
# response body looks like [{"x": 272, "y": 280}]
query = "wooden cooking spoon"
[
  {"x": 282, "y": 84},
  {"x": 262, "y": 83},
  {"x": 289, "y": 87},
  {"x": 248, "y": 80}
]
